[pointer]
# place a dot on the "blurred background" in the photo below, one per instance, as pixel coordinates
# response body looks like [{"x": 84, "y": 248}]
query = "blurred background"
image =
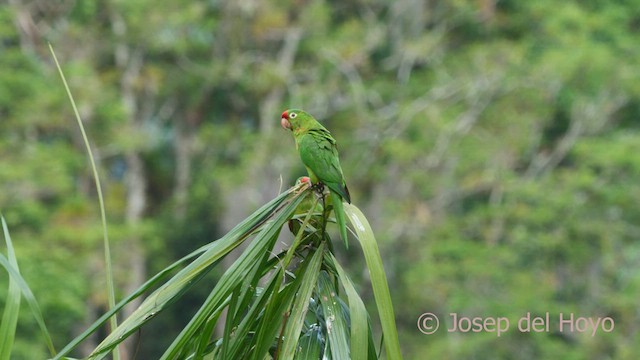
[{"x": 494, "y": 145}]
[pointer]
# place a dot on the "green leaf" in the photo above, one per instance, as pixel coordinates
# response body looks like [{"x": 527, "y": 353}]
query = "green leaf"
[
  {"x": 251, "y": 319},
  {"x": 334, "y": 317},
  {"x": 205, "y": 336},
  {"x": 12, "y": 303},
  {"x": 274, "y": 317},
  {"x": 234, "y": 276},
  {"x": 310, "y": 344},
  {"x": 378, "y": 280},
  {"x": 301, "y": 305},
  {"x": 359, "y": 325},
  {"x": 226, "y": 338},
  {"x": 107, "y": 248},
  {"x": 155, "y": 280},
  {"x": 171, "y": 290},
  {"x": 16, "y": 278}
]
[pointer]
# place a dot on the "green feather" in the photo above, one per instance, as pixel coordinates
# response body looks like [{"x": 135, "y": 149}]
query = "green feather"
[{"x": 338, "y": 210}]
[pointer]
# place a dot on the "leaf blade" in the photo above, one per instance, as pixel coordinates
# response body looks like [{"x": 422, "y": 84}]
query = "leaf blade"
[
  {"x": 378, "y": 280},
  {"x": 12, "y": 303},
  {"x": 301, "y": 304},
  {"x": 358, "y": 313}
]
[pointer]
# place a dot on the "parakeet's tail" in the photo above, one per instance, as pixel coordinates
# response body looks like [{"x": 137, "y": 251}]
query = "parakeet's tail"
[
  {"x": 340, "y": 189},
  {"x": 346, "y": 190},
  {"x": 338, "y": 210}
]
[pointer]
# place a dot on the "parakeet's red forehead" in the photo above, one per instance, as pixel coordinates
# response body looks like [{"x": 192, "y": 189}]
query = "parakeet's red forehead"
[{"x": 287, "y": 113}]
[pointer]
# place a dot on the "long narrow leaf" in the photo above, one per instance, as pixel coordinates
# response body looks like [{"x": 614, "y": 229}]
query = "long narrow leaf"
[
  {"x": 252, "y": 318},
  {"x": 310, "y": 345},
  {"x": 107, "y": 248},
  {"x": 12, "y": 303},
  {"x": 226, "y": 337},
  {"x": 201, "y": 343},
  {"x": 358, "y": 313},
  {"x": 31, "y": 300},
  {"x": 301, "y": 304},
  {"x": 141, "y": 290},
  {"x": 299, "y": 235},
  {"x": 378, "y": 280},
  {"x": 334, "y": 318},
  {"x": 207, "y": 332},
  {"x": 185, "y": 278},
  {"x": 274, "y": 317},
  {"x": 27, "y": 293},
  {"x": 263, "y": 242}
]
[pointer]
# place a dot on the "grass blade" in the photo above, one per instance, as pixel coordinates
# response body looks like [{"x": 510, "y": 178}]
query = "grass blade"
[
  {"x": 301, "y": 304},
  {"x": 275, "y": 315},
  {"x": 378, "y": 280},
  {"x": 357, "y": 311},
  {"x": 142, "y": 289},
  {"x": 107, "y": 248},
  {"x": 16, "y": 278},
  {"x": 12, "y": 304},
  {"x": 334, "y": 318},
  {"x": 249, "y": 314},
  {"x": 226, "y": 337},
  {"x": 252, "y": 318},
  {"x": 187, "y": 276},
  {"x": 310, "y": 344},
  {"x": 260, "y": 246},
  {"x": 206, "y": 335}
]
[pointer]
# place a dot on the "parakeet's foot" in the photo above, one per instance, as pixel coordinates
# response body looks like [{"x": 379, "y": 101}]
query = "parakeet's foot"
[{"x": 319, "y": 187}]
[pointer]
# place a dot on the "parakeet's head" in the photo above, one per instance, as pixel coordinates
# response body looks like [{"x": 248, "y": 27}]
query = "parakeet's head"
[
  {"x": 294, "y": 119},
  {"x": 303, "y": 180}
]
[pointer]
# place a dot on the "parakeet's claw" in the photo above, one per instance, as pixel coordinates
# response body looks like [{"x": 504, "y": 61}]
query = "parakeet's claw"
[{"x": 319, "y": 187}]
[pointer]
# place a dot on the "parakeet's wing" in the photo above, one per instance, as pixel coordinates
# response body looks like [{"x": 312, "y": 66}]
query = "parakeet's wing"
[{"x": 319, "y": 153}]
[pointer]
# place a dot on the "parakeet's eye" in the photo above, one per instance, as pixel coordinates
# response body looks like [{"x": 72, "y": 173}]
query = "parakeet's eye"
[{"x": 293, "y": 115}]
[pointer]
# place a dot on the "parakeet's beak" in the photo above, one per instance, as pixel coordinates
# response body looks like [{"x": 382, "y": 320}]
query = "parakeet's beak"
[
  {"x": 284, "y": 121},
  {"x": 285, "y": 124}
]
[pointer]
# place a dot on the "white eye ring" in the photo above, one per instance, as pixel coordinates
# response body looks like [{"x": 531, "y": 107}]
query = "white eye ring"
[{"x": 293, "y": 115}]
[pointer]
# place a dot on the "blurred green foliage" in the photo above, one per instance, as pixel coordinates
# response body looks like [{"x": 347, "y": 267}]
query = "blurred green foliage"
[{"x": 494, "y": 146}]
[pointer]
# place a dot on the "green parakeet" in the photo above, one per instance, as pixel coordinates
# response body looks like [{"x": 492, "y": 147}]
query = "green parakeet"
[{"x": 318, "y": 152}]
